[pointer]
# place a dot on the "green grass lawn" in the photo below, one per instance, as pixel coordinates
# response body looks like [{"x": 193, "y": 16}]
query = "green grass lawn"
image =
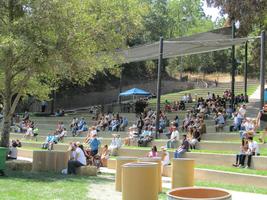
[
  {"x": 43, "y": 186},
  {"x": 263, "y": 151},
  {"x": 218, "y": 91},
  {"x": 234, "y": 169},
  {"x": 25, "y": 186}
]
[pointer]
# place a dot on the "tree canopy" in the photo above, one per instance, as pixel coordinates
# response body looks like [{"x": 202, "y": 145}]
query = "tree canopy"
[{"x": 45, "y": 41}]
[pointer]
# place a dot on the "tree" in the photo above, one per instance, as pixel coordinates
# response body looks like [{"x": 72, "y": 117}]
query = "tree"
[
  {"x": 250, "y": 13},
  {"x": 43, "y": 42}
]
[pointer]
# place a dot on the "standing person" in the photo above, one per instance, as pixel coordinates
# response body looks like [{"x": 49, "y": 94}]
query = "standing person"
[
  {"x": 263, "y": 136},
  {"x": 182, "y": 149},
  {"x": 94, "y": 144},
  {"x": 140, "y": 124},
  {"x": 43, "y": 106},
  {"x": 78, "y": 159},
  {"x": 241, "y": 114}
]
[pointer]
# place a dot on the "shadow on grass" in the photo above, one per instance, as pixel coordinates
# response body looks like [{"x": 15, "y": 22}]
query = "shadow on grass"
[{"x": 53, "y": 177}]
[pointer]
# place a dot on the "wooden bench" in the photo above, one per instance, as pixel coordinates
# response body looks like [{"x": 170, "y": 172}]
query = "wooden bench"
[
  {"x": 87, "y": 170},
  {"x": 19, "y": 165}
]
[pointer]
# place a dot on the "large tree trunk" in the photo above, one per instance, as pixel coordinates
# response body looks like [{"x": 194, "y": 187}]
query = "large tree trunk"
[
  {"x": 6, "y": 124},
  {"x": 7, "y": 112}
]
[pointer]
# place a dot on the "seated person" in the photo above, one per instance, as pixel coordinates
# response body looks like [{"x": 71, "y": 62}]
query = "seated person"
[
  {"x": 219, "y": 121},
  {"x": 13, "y": 151},
  {"x": 115, "y": 145},
  {"x": 50, "y": 141},
  {"x": 104, "y": 156},
  {"x": 77, "y": 159},
  {"x": 124, "y": 123},
  {"x": 165, "y": 157},
  {"x": 61, "y": 135},
  {"x": 172, "y": 142},
  {"x": 60, "y": 113},
  {"x": 253, "y": 150},
  {"x": 170, "y": 130},
  {"x": 133, "y": 135},
  {"x": 29, "y": 132},
  {"x": 194, "y": 137},
  {"x": 240, "y": 157},
  {"x": 82, "y": 128},
  {"x": 145, "y": 137},
  {"x": 114, "y": 125},
  {"x": 153, "y": 153},
  {"x": 183, "y": 148}
]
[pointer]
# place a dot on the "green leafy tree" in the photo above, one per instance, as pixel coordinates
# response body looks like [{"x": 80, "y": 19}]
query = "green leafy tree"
[
  {"x": 250, "y": 13},
  {"x": 43, "y": 42}
]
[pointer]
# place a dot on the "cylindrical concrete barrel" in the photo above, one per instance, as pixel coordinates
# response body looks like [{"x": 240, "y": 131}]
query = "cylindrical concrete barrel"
[
  {"x": 62, "y": 160},
  {"x": 202, "y": 193},
  {"x": 50, "y": 161},
  {"x": 139, "y": 181},
  {"x": 182, "y": 174},
  {"x": 119, "y": 162},
  {"x": 38, "y": 162},
  {"x": 158, "y": 161}
]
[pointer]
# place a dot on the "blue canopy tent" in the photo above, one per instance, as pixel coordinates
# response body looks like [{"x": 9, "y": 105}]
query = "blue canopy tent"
[{"x": 135, "y": 92}]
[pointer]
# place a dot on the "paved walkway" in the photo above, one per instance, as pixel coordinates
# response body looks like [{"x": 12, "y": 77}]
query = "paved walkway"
[{"x": 254, "y": 104}]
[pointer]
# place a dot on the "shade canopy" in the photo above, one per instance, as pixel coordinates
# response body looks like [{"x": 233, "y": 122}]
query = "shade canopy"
[
  {"x": 214, "y": 40},
  {"x": 135, "y": 91}
]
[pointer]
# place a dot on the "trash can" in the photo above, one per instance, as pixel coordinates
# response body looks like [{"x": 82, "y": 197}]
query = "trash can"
[{"x": 3, "y": 152}]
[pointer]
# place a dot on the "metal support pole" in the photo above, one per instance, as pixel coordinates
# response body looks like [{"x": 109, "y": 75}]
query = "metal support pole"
[
  {"x": 246, "y": 70},
  {"x": 159, "y": 83},
  {"x": 262, "y": 67},
  {"x": 120, "y": 86},
  {"x": 233, "y": 67}
]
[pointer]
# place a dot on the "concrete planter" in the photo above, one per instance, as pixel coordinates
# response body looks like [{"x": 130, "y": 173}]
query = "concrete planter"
[
  {"x": 119, "y": 162},
  {"x": 199, "y": 193},
  {"x": 182, "y": 174},
  {"x": 158, "y": 161},
  {"x": 139, "y": 181}
]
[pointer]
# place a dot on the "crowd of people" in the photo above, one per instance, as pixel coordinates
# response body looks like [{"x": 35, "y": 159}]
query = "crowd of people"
[{"x": 143, "y": 131}]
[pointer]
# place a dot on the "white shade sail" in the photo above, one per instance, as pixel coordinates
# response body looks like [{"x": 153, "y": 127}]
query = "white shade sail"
[{"x": 214, "y": 40}]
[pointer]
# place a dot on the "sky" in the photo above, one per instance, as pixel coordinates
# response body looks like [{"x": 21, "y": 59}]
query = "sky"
[{"x": 210, "y": 11}]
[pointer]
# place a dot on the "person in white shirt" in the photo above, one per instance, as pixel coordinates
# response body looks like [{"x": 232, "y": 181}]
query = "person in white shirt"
[
  {"x": 241, "y": 114},
  {"x": 165, "y": 157},
  {"x": 29, "y": 132},
  {"x": 253, "y": 150},
  {"x": 115, "y": 145},
  {"x": 13, "y": 151},
  {"x": 172, "y": 142},
  {"x": 78, "y": 159}
]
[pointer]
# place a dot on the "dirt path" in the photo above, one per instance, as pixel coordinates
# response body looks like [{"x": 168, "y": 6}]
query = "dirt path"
[{"x": 104, "y": 190}]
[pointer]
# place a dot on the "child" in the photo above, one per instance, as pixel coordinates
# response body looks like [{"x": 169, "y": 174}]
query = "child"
[{"x": 13, "y": 151}]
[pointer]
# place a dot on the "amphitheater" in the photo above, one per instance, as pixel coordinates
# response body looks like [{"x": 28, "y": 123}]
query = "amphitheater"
[{"x": 214, "y": 156}]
